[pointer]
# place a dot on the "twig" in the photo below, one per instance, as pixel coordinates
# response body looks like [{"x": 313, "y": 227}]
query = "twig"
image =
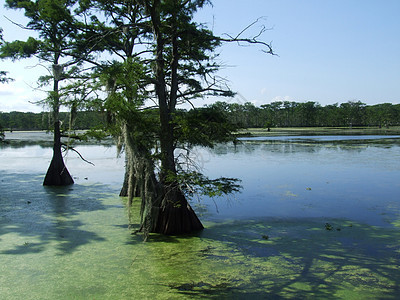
[
  {"x": 19, "y": 25},
  {"x": 80, "y": 155}
]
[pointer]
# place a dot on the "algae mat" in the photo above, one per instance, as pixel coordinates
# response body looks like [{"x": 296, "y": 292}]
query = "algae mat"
[{"x": 73, "y": 243}]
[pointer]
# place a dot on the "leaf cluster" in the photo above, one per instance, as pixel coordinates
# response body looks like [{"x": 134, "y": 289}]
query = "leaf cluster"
[
  {"x": 188, "y": 51},
  {"x": 19, "y": 49},
  {"x": 204, "y": 127},
  {"x": 53, "y": 21},
  {"x": 199, "y": 184}
]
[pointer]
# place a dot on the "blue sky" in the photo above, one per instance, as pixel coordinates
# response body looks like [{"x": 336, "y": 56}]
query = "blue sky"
[{"x": 328, "y": 51}]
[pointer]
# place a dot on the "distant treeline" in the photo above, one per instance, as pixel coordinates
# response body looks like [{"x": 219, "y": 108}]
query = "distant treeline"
[
  {"x": 276, "y": 114},
  {"x": 42, "y": 121},
  {"x": 311, "y": 114}
]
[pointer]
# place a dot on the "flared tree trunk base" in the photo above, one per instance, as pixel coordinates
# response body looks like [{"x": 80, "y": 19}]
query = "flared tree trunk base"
[
  {"x": 177, "y": 219},
  {"x": 57, "y": 174}
]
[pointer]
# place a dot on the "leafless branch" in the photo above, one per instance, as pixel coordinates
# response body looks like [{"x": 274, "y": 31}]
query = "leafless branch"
[
  {"x": 80, "y": 155},
  {"x": 250, "y": 40},
  {"x": 19, "y": 25},
  {"x": 186, "y": 100}
]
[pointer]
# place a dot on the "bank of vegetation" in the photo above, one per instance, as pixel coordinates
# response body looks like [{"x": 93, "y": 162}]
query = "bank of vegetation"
[
  {"x": 311, "y": 114},
  {"x": 22, "y": 121},
  {"x": 280, "y": 114}
]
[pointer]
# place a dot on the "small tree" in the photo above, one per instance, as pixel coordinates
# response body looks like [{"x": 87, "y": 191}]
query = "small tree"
[{"x": 56, "y": 26}]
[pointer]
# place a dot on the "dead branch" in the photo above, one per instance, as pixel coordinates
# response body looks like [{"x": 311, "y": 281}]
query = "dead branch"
[
  {"x": 17, "y": 24},
  {"x": 250, "y": 40},
  {"x": 72, "y": 136},
  {"x": 80, "y": 155}
]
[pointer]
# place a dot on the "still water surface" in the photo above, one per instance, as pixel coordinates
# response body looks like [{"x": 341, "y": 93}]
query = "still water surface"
[
  {"x": 269, "y": 240},
  {"x": 356, "y": 181},
  {"x": 280, "y": 179}
]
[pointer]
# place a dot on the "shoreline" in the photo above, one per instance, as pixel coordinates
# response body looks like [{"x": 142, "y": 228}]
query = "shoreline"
[{"x": 282, "y": 131}]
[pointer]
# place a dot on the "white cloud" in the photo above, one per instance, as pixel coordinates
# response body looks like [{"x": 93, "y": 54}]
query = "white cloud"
[
  {"x": 11, "y": 89},
  {"x": 17, "y": 96},
  {"x": 263, "y": 91}
]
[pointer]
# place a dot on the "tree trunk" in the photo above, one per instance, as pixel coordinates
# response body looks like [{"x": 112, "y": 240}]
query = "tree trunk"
[
  {"x": 130, "y": 186},
  {"x": 57, "y": 173},
  {"x": 176, "y": 216},
  {"x": 124, "y": 189}
]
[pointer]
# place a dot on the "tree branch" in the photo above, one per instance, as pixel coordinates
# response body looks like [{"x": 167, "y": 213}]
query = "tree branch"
[
  {"x": 19, "y": 25},
  {"x": 251, "y": 40},
  {"x": 80, "y": 155}
]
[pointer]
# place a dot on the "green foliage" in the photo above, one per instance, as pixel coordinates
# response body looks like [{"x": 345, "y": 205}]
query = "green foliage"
[
  {"x": 19, "y": 49},
  {"x": 268, "y": 124},
  {"x": 3, "y": 74},
  {"x": 207, "y": 127},
  {"x": 54, "y": 22},
  {"x": 197, "y": 183},
  {"x": 57, "y": 26},
  {"x": 311, "y": 114},
  {"x": 43, "y": 121},
  {"x": 4, "y": 78},
  {"x": 98, "y": 134},
  {"x": 125, "y": 82},
  {"x": 203, "y": 126}
]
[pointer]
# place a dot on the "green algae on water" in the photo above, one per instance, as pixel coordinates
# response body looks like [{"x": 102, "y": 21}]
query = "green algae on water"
[{"x": 74, "y": 243}]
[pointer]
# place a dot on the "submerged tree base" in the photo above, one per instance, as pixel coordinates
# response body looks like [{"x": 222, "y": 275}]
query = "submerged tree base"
[
  {"x": 177, "y": 220},
  {"x": 57, "y": 174},
  {"x": 177, "y": 216}
]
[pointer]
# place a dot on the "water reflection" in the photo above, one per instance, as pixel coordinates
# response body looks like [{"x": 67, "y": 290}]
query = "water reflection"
[
  {"x": 107, "y": 168},
  {"x": 280, "y": 179},
  {"x": 322, "y": 138},
  {"x": 40, "y": 216},
  {"x": 72, "y": 242},
  {"x": 282, "y": 145}
]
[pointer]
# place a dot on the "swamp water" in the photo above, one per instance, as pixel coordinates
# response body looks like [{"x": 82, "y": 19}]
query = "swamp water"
[{"x": 270, "y": 241}]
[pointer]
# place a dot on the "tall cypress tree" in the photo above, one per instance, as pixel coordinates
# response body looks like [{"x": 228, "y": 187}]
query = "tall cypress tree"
[{"x": 177, "y": 55}]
